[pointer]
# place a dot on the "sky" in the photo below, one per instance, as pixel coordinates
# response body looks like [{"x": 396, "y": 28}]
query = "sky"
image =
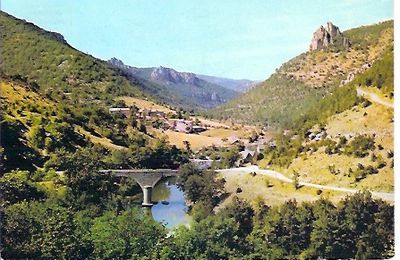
[{"x": 233, "y": 39}]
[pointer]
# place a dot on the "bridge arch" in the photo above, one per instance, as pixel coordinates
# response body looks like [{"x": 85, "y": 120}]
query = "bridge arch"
[{"x": 146, "y": 178}]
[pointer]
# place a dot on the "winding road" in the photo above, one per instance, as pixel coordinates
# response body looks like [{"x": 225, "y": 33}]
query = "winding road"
[
  {"x": 277, "y": 175},
  {"x": 374, "y": 98}
]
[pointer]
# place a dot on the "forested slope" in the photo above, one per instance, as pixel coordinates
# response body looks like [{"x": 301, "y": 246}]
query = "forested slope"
[{"x": 47, "y": 60}]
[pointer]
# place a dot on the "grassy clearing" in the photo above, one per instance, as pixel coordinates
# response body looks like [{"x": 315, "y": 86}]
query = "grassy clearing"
[
  {"x": 144, "y": 104},
  {"x": 105, "y": 142},
  {"x": 196, "y": 141},
  {"x": 375, "y": 119},
  {"x": 212, "y": 136},
  {"x": 223, "y": 133},
  {"x": 50, "y": 187},
  {"x": 211, "y": 123},
  {"x": 319, "y": 173},
  {"x": 272, "y": 191},
  {"x": 15, "y": 97},
  {"x": 377, "y": 92}
]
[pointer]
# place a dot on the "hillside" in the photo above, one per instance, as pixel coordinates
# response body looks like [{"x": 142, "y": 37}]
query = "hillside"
[
  {"x": 58, "y": 69},
  {"x": 372, "y": 169},
  {"x": 32, "y": 127},
  {"x": 55, "y": 101},
  {"x": 346, "y": 139},
  {"x": 239, "y": 85},
  {"x": 308, "y": 77},
  {"x": 177, "y": 88}
]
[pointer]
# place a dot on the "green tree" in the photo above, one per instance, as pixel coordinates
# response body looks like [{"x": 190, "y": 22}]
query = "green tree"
[
  {"x": 86, "y": 185},
  {"x": 324, "y": 241},
  {"x": 40, "y": 230},
  {"x": 16, "y": 186},
  {"x": 242, "y": 212},
  {"x": 282, "y": 228},
  {"x": 230, "y": 157},
  {"x": 130, "y": 235},
  {"x": 198, "y": 185},
  {"x": 367, "y": 226},
  {"x": 211, "y": 238},
  {"x": 295, "y": 180},
  {"x": 36, "y": 136}
]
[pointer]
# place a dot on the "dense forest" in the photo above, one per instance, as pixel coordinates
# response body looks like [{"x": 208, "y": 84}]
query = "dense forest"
[{"x": 91, "y": 221}]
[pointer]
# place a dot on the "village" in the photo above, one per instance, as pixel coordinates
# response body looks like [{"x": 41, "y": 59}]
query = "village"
[
  {"x": 161, "y": 120},
  {"x": 200, "y": 133}
]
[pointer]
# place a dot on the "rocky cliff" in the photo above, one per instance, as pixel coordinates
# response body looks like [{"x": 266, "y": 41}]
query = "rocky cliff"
[
  {"x": 324, "y": 37},
  {"x": 182, "y": 89},
  {"x": 171, "y": 75}
]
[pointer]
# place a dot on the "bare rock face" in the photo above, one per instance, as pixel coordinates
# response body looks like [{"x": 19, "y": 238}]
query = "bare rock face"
[
  {"x": 59, "y": 37},
  {"x": 167, "y": 74},
  {"x": 352, "y": 75},
  {"x": 325, "y": 36}
]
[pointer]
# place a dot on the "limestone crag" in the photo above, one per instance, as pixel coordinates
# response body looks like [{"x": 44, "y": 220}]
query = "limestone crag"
[
  {"x": 324, "y": 37},
  {"x": 119, "y": 64},
  {"x": 183, "y": 88},
  {"x": 168, "y": 74}
]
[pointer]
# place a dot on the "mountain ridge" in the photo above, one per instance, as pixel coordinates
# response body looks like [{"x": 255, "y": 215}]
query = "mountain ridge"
[
  {"x": 240, "y": 85},
  {"x": 183, "y": 86}
]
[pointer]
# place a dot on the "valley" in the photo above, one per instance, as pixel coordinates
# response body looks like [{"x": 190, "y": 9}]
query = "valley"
[
  {"x": 188, "y": 90},
  {"x": 261, "y": 170}
]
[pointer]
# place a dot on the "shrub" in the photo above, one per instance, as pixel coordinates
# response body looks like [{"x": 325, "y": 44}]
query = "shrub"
[{"x": 360, "y": 146}]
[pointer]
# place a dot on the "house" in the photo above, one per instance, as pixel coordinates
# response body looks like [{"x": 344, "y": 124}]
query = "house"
[
  {"x": 202, "y": 164},
  {"x": 154, "y": 113},
  {"x": 317, "y": 136},
  {"x": 233, "y": 140},
  {"x": 198, "y": 129},
  {"x": 246, "y": 156},
  {"x": 181, "y": 125},
  {"x": 120, "y": 110},
  {"x": 184, "y": 126},
  {"x": 311, "y": 136},
  {"x": 258, "y": 146}
]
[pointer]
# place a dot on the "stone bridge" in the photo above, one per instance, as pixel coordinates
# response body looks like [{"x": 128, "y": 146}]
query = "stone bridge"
[{"x": 146, "y": 178}]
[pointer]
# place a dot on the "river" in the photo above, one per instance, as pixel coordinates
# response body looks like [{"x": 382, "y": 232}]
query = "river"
[{"x": 169, "y": 204}]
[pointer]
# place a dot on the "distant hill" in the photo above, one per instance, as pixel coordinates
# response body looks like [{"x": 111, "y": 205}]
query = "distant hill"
[
  {"x": 177, "y": 88},
  {"x": 239, "y": 85},
  {"x": 281, "y": 99},
  {"x": 45, "y": 58}
]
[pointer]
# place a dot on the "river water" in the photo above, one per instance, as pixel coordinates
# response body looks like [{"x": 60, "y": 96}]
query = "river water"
[{"x": 169, "y": 204}]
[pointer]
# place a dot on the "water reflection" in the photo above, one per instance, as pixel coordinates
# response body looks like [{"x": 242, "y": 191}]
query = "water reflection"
[{"x": 169, "y": 204}]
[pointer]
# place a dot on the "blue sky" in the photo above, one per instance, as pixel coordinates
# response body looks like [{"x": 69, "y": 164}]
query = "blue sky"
[{"x": 234, "y": 39}]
